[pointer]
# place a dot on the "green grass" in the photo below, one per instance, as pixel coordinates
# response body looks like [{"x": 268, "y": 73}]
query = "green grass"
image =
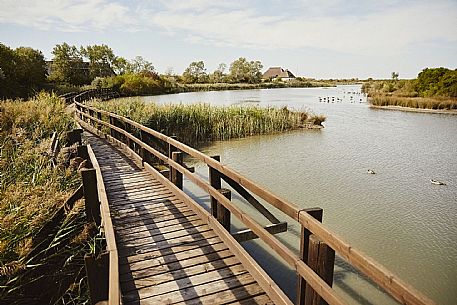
[
  {"x": 197, "y": 123},
  {"x": 39, "y": 244}
]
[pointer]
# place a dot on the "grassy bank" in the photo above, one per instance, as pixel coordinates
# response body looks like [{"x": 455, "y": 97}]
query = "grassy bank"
[
  {"x": 41, "y": 250},
  {"x": 199, "y": 123},
  {"x": 414, "y": 102}
]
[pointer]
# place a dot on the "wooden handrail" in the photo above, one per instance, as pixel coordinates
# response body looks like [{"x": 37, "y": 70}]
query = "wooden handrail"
[
  {"x": 376, "y": 272},
  {"x": 114, "y": 291}
]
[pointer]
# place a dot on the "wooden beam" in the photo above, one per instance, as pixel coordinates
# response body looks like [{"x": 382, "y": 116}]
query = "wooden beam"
[
  {"x": 251, "y": 199},
  {"x": 245, "y": 235}
]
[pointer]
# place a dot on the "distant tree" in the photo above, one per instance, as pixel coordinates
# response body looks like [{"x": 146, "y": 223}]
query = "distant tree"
[
  {"x": 218, "y": 76},
  {"x": 21, "y": 71},
  {"x": 195, "y": 73},
  {"x": 437, "y": 82},
  {"x": 31, "y": 67},
  {"x": 7, "y": 65},
  {"x": 68, "y": 66},
  {"x": 139, "y": 65},
  {"x": 120, "y": 65},
  {"x": 395, "y": 76},
  {"x": 242, "y": 71},
  {"x": 101, "y": 59}
]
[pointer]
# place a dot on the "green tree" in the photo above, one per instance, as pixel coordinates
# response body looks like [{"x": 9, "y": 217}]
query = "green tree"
[
  {"x": 7, "y": 65},
  {"x": 68, "y": 66},
  {"x": 195, "y": 73},
  {"x": 120, "y": 65},
  {"x": 101, "y": 58},
  {"x": 140, "y": 65},
  {"x": 218, "y": 76},
  {"x": 242, "y": 71},
  {"x": 22, "y": 71}
]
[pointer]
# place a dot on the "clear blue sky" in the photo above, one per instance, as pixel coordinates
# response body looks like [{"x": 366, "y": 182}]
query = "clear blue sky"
[{"x": 321, "y": 39}]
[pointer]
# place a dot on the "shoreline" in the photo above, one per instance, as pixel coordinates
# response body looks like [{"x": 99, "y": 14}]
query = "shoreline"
[{"x": 410, "y": 109}]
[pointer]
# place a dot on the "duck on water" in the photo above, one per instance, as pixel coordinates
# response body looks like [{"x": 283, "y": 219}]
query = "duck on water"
[{"x": 433, "y": 181}]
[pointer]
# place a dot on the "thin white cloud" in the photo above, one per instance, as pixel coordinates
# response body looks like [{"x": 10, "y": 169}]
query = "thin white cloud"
[
  {"x": 65, "y": 15},
  {"x": 344, "y": 26}
]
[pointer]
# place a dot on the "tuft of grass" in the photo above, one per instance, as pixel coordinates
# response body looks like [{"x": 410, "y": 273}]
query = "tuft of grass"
[{"x": 197, "y": 123}]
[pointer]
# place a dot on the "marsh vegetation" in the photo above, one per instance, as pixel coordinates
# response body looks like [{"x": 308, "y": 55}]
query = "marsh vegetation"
[
  {"x": 197, "y": 123},
  {"x": 40, "y": 243}
]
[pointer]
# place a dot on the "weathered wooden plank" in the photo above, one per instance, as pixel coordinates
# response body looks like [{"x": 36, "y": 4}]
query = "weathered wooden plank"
[
  {"x": 180, "y": 261},
  {"x": 247, "y": 293},
  {"x": 262, "y": 299},
  {"x": 190, "y": 232},
  {"x": 148, "y": 221},
  {"x": 136, "y": 210},
  {"x": 170, "y": 249},
  {"x": 173, "y": 275},
  {"x": 176, "y": 226},
  {"x": 178, "y": 241},
  {"x": 194, "y": 286}
]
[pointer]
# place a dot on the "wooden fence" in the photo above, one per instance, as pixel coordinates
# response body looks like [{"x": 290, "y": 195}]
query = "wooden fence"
[{"x": 149, "y": 146}]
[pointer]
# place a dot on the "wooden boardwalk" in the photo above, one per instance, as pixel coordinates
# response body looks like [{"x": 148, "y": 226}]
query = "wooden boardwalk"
[{"x": 167, "y": 254}]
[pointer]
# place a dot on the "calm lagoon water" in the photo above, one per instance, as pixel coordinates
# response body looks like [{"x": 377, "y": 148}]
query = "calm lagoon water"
[{"x": 395, "y": 216}]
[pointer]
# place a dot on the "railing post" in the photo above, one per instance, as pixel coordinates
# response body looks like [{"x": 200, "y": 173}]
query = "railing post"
[
  {"x": 223, "y": 214},
  {"x": 304, "y": 249},
  {"x": 99, "y": 125},
  {"x": 97, "y": 271},
  {"x": 112, "y": 122},
  {"x": 127, "y": 139},
  {"x": 176, "y": 176},
  {"x": 92, "y": 205},
  {"x": 215, "y": 181},
  {"x": 171, "y": 149},
  {"x": 321, "y": 259}
]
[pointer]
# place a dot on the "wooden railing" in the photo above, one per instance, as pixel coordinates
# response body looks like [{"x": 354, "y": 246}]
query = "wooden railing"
[{"x": 146, "y": 144}]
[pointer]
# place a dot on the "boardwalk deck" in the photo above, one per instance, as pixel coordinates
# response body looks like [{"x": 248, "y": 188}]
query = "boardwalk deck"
[{"x": 167, "y": 254}]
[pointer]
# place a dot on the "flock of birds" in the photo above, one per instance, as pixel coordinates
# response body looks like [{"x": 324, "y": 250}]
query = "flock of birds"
[
  {"x": 353, "y": 97},
  {"x": 432, "y": 181}
]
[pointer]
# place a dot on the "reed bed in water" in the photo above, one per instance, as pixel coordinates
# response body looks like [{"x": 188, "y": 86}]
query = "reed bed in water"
[
  {"x": 197, "y": 123},
  {"x": 39, "y": 246},
  {"x": 415, "y": 102}
]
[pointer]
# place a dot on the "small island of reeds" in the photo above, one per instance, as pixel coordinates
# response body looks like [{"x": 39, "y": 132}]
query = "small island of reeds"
[{"x": 198, "y": 123}]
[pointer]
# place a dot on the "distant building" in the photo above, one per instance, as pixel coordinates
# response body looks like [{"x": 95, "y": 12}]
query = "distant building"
[{"x": 274, "y": 72}]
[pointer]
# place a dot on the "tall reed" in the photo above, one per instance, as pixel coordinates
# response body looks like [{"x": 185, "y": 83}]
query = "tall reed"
[
  {"x": 32, "y": 193},
  {"x": 415, "y": 102},
  {"x": 196, "y": 123}
]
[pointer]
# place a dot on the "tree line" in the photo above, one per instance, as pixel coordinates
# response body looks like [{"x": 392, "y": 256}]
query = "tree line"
[{"x": 24, "y": 71}]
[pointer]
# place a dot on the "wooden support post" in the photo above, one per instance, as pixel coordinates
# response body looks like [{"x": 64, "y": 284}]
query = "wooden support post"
[
  {"x": 176, "y": 176},
  {"x": 223, "y": 214},
  {"x": 127, "y": 139},
  {"x": 144, "y": 154},
  {"x": 81, "y": 151},
  {"x": 112, "y": 132},
  {"x": 304, "y": 249},
  {"x": 97, "y": 271},
  {"x": 171, "y": 149},
  {"x": 92, "y": 204},
  {"x": 99, "y": 116},
  {"x": 321, "y": 258},
  {"x": 215, "y": 181}
]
